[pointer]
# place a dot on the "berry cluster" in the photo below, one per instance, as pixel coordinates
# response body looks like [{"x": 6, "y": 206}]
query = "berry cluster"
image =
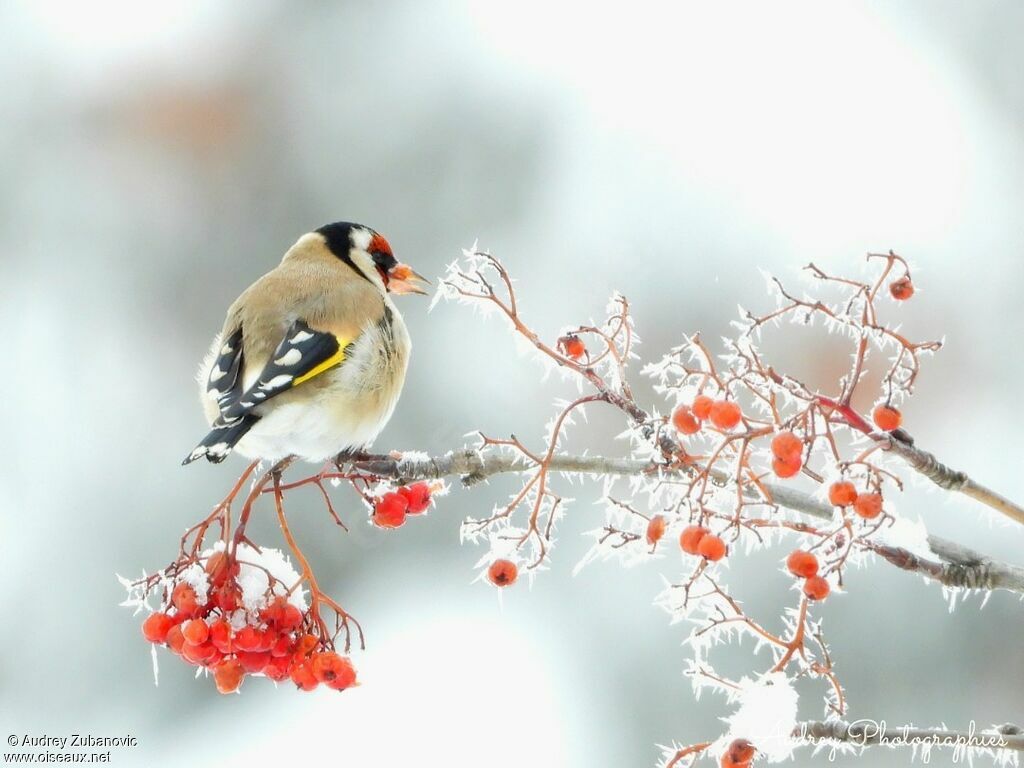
[
  {"x": 723, "y": 414},
  {"x": 698, "y": 540},
  {"x": 390, "y": 510},
  {"x": 867, "y": 505},
  {"x": 738, "y": 754},
  {"x": 804, "y": 565},
  {"x": 235, "y": 617},
  {"x": 787, "y": 452}
]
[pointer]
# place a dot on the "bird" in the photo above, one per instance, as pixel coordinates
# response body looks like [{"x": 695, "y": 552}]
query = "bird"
[{"x": 312, "y": 357}]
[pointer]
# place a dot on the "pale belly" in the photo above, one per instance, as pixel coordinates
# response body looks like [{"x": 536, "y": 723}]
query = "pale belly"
[
  {"x": 316, "y": 430},
  {"x": 343, "y": 408}
]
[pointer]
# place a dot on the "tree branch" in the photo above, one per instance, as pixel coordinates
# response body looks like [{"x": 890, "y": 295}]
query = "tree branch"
[
  {"x": 961, "y": 568},
  {"x": 947, "y": 478}
]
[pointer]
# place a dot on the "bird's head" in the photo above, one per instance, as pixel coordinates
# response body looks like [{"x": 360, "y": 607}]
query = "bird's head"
[{"x": 369, "y": 254}]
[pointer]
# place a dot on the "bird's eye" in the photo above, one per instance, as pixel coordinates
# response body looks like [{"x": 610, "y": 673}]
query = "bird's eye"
[{"x": 383, "y": 260}]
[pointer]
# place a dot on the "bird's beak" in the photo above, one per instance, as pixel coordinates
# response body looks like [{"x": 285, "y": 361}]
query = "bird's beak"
[{"x": 402, "y": 279}]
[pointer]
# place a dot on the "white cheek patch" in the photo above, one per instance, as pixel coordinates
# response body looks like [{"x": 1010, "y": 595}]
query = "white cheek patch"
[{"x": 361, "y": 238}]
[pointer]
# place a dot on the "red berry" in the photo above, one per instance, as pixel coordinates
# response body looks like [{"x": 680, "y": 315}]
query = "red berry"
[
  {"x": 842, "y": 493},
  {"x": 787, "y": 446},
  {"x": 389, "y": 510},
  {"x": 272, "y": 612},
  {"x": 740, "y": 751},
  {"x": 219, "y": 568},
  {"x": 725, "y": 414},
  {"x": 277, "y": 668},
  {"x": 227, "y": 597},
  {"x": 291, "y": 618},
  {"x": 786, "y": 467},
  {"x": 702, "y": 406},
  {"x": 418, "y": 496},
  {"x": 868, "y": 505},
  {"x": 655, "y": 529},
  {"x": 282, "y": 648},
  {"x": 333, "y": 670},
  {"x": 503, "y": 573},
  {"x": 572, "y": 347},
  {"x": 684, "y": 421},
  {"x": 902, "y": 289},
  {"x": 887, "y": 418},
  {"x": 303, "y": 677},
  {"x": 254, "y": 661},
  {"x": 711, "y": 547},
  {"x": 249, "y": 638},
  {"x": 199, "y": 654},
  {"x": 220, "y": 636},
  {"x": 175, "y": 640},
  {"x": 184, "y": 599},
  {"x": 816, "y": 588},
  {"x": 196, "y": 632},
  {"x": 306, "y": 645},
  {"x": 802, "y": 564},
  {"x": 156, "y": 626},
  {"x": 689, "y": 539},
  {"x": 228, "y": 675}
]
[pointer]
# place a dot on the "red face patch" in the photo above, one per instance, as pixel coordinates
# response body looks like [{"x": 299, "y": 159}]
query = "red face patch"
[{"x": 379, "y": 245}]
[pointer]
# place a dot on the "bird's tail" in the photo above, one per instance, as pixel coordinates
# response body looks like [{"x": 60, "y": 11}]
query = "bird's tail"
[{"x": 218, "y": 444}]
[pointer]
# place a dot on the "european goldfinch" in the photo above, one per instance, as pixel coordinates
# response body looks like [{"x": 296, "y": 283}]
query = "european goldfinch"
[{"x": 312, "y": 356}]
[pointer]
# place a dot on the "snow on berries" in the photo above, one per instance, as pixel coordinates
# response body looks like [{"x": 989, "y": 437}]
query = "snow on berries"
[{"x": 266, "y": 629}]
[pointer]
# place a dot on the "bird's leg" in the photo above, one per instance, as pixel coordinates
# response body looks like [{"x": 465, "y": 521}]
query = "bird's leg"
[{"x": 350, "y": 456}]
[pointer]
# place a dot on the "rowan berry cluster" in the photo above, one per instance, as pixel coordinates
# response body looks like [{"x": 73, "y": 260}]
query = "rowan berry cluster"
[
  {"x": 391, "y": 508},
  {"x": 232, "y": 614}
]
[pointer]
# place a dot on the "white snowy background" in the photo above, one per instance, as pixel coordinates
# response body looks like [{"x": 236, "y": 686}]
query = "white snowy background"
[{"x": 158, "y": 157}]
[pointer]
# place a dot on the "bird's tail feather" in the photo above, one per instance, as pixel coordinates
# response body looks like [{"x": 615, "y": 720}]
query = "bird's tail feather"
[{"x": 218, "y": 444}]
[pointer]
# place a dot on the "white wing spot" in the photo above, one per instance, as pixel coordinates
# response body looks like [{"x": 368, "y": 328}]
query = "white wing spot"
[
  {"x": 216, "y": 374},
  {"x": 291, "y": 357},
  {"x": 300, "y": 337},
  {"x": 277, "y": 381}
]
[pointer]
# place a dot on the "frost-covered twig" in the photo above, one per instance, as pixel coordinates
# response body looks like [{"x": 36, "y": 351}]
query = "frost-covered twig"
[
  {"x": 962, "y": 567},
  {"x": 947, "y": 478}
]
